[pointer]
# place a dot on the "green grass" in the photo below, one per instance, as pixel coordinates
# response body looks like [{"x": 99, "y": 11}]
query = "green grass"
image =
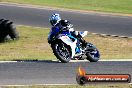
[
  {"x": 77, "y": 86},
  {"x": 117, "y": 6},
  {"x": 33, "y": 45}
]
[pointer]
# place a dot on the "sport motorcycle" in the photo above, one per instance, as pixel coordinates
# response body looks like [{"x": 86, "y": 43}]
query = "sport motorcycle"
[{"x": 67, "y": 47}]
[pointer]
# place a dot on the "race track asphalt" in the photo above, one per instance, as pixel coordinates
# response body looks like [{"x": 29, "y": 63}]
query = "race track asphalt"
[
  {"x": 52, "y": 72},
  {"x": 92, "y": 22}
]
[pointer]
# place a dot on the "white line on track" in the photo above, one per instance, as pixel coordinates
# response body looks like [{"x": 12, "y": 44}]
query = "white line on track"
[
  {"x": 39, "y": 85},
  {"x": 8, "y": 61},
  {"x": 102, "y": 60},
  {"x": 70, "y": 61},
  {"x": 46, "y": 85}
]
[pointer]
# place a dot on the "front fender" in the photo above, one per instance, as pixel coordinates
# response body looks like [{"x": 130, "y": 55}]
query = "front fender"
[{"x": 69, "y": 42}]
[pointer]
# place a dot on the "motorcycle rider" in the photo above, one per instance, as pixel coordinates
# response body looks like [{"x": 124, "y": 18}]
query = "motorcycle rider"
[{"x": 65, "y": 25}]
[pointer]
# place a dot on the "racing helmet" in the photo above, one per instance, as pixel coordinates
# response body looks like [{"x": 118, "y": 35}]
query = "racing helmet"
[{"x": 54, "y": 19}]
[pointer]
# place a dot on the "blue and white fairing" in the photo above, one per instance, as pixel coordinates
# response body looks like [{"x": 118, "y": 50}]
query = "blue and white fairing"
[{"x": 67, "y": 38}]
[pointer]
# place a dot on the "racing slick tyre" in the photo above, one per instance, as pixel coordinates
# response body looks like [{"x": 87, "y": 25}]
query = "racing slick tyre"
[
  {"x": 93, "y": 56},
  {"x": 7, "y": 30},
  {"x": 12, "y": 31},
  {"x": 3, "y": 31},
  {"x": 61, "y": 51}
]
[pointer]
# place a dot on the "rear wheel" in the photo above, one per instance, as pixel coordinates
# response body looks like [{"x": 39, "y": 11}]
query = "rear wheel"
[
  {"x": 62, "y": 51},
  {"x": 93, "y": 56}
]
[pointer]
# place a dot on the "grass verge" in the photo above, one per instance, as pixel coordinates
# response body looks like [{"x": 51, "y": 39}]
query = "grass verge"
[
  {"x": 33, "y": 45},
  {"x": 117, "y": 6},
  {"x": 77, "y": 86}
]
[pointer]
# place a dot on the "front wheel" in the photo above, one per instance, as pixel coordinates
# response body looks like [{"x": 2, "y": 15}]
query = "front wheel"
[
  {"x": 93, "y": 54},
  {"x": 62, "y": 51}
]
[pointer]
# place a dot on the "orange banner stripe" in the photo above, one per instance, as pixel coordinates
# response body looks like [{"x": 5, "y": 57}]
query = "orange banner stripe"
[{"x": 107, "y": 76}]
